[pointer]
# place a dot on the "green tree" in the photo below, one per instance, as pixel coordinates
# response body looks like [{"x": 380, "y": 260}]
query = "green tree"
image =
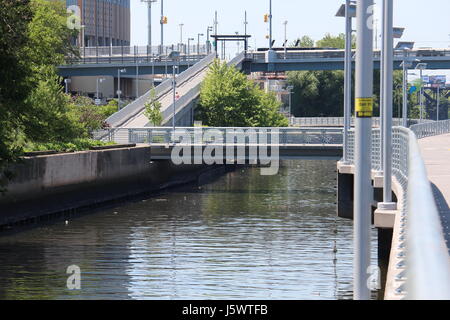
[
  {"x": 15, "y": 16},
  {"x": 153, "y": 109},
  {"x": 305, "y": 42},
  {"x": 229, "y": 99}
]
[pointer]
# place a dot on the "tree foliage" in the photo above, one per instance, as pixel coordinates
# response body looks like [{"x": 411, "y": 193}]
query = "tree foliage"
[
  {"x": 229, "y": 99},
  {"x": 153, "y": 109}
]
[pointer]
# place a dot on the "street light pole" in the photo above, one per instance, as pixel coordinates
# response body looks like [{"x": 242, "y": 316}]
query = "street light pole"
[
  {"x": 181, "y": 35},
  {"x": 149, "y": 3},
  {"x": 363, "y": 192},
  {"x": 137, "y": 78},
  {"x": 438, "y": 102},
  {"x": 162, "y": 27},
  {"x": 118, "y": 86},
  {"x": 208, "y": 30},
  {"x": 198, "y": 42},
  {"x": 174, "y": 88},
  {"x": 388, "y": 55},
  {"x": 285, "y": 39},
  {"x": 270, "y": 25}
]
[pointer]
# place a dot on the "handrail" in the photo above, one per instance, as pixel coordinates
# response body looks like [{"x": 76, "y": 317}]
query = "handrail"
[{"x": 428, "y": 261}]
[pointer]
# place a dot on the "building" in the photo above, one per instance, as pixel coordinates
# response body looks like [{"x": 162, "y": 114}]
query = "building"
[{"x": 104, "y": 22}]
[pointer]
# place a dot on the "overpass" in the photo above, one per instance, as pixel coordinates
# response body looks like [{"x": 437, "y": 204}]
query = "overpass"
[{"x": 256, "y": 61}]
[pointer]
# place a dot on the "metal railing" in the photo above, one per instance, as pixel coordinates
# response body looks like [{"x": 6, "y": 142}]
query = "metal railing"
[
  {"x": 339, "y": 54},
  {"x": 122, "y": 54},
  {"x": 165, "y": 135},
  {"x": 339, "y": 121},
  {"x": 428, "y": 261}
]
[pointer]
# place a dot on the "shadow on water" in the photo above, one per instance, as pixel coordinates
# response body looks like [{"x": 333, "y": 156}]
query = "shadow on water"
[{"x": 240, "y": 236}]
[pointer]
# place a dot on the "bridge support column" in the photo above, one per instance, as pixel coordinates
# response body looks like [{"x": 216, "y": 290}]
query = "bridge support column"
[{"x": 345, "y": 184}]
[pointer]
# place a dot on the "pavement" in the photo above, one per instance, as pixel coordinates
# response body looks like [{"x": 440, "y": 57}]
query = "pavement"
[{"x": 436, "y": 155}]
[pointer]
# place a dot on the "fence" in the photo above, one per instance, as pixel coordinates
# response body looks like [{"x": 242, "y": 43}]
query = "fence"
[
  {"x": 339, "y": 121},
  {"x": 165, "y": 135},
  {"x": 428, "y": 262}
]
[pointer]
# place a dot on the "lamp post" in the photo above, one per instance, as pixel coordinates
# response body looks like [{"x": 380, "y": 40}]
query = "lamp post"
[
  {"x": 198, "y": 42},
  {"x": 285, "y": 39},
  {"x": 181, "y": 35},
  {"x": 118, "y": 86},
  {"x": 363, "y": 144},
  {"x": 438, "y": 102},
  {"x": 162, "y": 27},
  {"x": 270, "y": 24},
  {"x": 208, "y": 43},
  {"x": 421, "y": 66},
  {"x": 290, "y": 88},
  {"x": 149, "y": 3},
  {"x": 137, "y": 77},
  {"x": 348, "y": 10},
  {"x": 189, "y": 45},
  {"x": 405, "y": 46},
  {"x": 174, "y": 55},
  {"x": 97, "y": 94}
]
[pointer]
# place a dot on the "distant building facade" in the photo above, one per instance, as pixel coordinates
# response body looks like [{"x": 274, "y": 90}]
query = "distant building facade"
[{"x": 106, "y": 22}]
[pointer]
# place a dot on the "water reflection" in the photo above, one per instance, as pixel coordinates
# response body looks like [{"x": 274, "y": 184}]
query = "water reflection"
[{"x": 243, "y": 236}]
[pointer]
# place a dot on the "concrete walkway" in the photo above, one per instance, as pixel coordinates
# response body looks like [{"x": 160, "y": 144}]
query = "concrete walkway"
[{"x": 436, "y": 154}]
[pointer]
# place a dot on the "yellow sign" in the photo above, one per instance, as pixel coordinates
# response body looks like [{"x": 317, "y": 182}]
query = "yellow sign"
[{"x": 364, "y": 107}]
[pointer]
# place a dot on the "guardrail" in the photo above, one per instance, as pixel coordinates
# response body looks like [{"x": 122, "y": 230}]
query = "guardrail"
[
  {"x": 122, "y": 54},
  {"x": 339, "y": 121},
  {"x": 286, "y": 136},
  {"x": 339, "y": 54},
  {"x": 132, "y": 109},
  {"x": 428, "y": 262}
]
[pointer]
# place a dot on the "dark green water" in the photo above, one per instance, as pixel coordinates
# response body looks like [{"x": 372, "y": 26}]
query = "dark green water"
[{"x": 242, "y": 236}]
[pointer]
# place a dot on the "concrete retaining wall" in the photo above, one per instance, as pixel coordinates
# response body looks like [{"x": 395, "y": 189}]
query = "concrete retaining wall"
[{"x": 49, "y": 184}]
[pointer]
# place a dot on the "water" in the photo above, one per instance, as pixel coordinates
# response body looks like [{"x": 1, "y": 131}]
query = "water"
[{"x": 242, "y": 236}]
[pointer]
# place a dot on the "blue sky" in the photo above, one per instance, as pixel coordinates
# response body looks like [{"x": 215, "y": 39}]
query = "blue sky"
[{"x": 427, "y": 24}]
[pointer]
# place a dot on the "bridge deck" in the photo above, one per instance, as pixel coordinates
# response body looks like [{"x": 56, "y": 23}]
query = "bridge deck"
[{"x": 436, "y": 154}]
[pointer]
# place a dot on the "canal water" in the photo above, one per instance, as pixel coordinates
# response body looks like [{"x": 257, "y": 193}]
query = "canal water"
[{"x": 241, "y": 236}]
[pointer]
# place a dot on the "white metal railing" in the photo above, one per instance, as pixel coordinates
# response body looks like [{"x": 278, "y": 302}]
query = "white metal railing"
[
  {"x": 339, "y": 121},
  {"x": 339, "y": 54},
  {"x": 428, "y": 260},
  {"x": 118, "y": 54},
  {"x": 165, "y": 135}
]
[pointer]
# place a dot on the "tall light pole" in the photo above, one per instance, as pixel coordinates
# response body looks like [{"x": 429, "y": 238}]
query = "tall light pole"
[
  {"x": 270, "y": 24},
  {"x": 290, "y": 88},
  {"x": 405, "y": 46},
  {"x": 149, "y": 3},
  {"x": 198, "y": 42},
  {"x": 438, "y": 101},
  {"x": 363, "y": 192},
  {"x": 189, "y": 45},
  {"x": 181, "y": 35},
  {"x": 99, "y": 79},
  {"x": 285, "y": 39},
  {"x": 118, "y": 86},
  {"x": 174, "y": 88},
  {"x": 208, "y": 43},
  {"x": 162, "y": 27},
  {"x": 388, "y": 58},
  {"x": 137, "y": 77},
  {"x": 421, "y": 66},
  {"x": 348, "y": 10}
]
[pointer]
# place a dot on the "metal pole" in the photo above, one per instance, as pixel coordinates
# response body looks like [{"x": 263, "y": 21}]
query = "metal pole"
[
  {"x": 285, "y": 40},
  {"x": 405, "y": 94},
  {"x": 388, "y": 54},
  {"x": 382, "y": 69},
  {"x": 347, "y": 78},
  {"x": 137, "y": 79},
  {"x": 438, "y": 102},
  {"x": 118, "y": 89},
  {"x": 96, "y": 89},
  {"x": 364, "y": 110},
  {"x": 174, "y": 88},
  {"x": 270, "y": 26},
  {"x": 421, "y": 96},
  {"x": 162, "y": 26}
]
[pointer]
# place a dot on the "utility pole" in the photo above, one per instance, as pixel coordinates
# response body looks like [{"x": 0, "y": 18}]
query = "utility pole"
[
  {"x": 181, "y": 34},
  {"x": 438, "y": 102},
  {"x": 285, "y": 39},
  {"x": 162, "y": 27},
  {"x": 363, "y": 192},
  {"x": 149, "y": 3},
  {"x": 270, "y": 25}
]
